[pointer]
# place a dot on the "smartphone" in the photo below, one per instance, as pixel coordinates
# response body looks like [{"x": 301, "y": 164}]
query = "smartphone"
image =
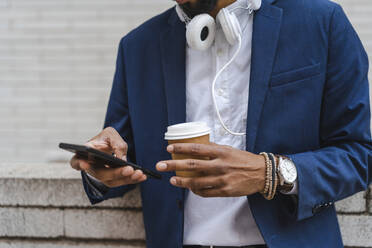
[{"x": 101, "y": 158}]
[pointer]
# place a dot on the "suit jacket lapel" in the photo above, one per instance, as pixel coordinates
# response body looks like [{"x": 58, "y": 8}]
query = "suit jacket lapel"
[
  {"x": 173, "y": 49},
  {"x": 266, "y": 29}
]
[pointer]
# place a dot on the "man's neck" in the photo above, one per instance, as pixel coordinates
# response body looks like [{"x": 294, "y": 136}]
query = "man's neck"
[{"x": 220, "y": 5}]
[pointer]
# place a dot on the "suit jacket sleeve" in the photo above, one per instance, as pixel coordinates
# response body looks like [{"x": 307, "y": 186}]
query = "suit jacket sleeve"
[
  {"x": 341, "y": 167},
  {"x": 117, "y": 116}
]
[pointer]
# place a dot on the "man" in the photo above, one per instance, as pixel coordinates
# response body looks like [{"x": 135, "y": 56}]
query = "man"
[{"x": 298, "y": 88}]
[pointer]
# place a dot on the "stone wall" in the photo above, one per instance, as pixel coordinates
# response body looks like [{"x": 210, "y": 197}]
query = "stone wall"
[{"x": 44, "y": 206}]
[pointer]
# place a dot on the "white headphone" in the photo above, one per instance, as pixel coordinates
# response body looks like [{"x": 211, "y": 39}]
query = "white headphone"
[
  {"x": 201, "y": 30},
  {"x": 200, "y": 34}
]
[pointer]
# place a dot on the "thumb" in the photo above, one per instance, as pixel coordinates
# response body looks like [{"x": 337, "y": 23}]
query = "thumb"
[
  {"x": 99, "y": 145},
  {"x": 119, "y": 147}
]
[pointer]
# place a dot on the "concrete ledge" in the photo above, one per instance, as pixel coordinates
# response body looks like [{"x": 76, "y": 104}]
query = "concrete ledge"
[
  {"x": 51, "y": 185},
  {"x": 104, "y": 224},
  {"x": 370, "y": 199},
  {"x": 20, "y": 222},
  {"x": 353, "y": 204},
  {"x": 356, "y": 230},
  {"x": 44, "y": 205},
  {"x": 71, "y": 223},
  {"x": 9, "y": 243}
]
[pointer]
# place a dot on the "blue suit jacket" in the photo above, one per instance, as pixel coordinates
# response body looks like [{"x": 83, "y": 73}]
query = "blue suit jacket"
[{"x": 309, "y": 99}]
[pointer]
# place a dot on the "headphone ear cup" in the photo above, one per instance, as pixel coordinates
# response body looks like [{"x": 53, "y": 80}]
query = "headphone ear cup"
[
  {"x": 200, "y": 32},
  {"x": 230, "y": 26}
]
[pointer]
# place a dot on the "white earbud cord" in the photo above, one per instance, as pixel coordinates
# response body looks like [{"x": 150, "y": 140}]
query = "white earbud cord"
[{"x": 214, "y": 85}]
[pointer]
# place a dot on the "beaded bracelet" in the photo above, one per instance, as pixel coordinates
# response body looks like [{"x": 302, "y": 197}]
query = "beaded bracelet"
[
  {"x": 271, "y": 180},
  {"x": 268, "y": 174},
  {"x": 273, "y": 173}
]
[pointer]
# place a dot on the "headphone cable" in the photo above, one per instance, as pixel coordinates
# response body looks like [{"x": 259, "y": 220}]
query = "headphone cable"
[{"x": 214, "y": 85}]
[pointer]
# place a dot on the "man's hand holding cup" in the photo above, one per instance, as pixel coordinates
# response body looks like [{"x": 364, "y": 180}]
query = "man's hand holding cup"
[{"x": 211, "y": 170}]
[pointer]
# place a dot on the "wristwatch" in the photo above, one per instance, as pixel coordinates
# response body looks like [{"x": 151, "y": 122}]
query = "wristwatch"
[{"x": 287, "y": 174}]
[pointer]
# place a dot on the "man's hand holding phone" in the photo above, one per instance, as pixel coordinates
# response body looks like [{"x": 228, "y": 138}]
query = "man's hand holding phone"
[{"x": 109, "y": 141}]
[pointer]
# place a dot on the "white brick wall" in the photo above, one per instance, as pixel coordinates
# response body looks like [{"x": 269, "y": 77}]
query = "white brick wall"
[
  {"x": 56, "y": 68},
  {"x": 57, "y": 63}
]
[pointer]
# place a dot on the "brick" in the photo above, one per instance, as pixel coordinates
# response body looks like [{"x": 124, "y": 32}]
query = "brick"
[
  {"x": 9, "y": 243},
  {"x": 56, "y": 185},
  {"x": 356, "y": 230},
  {"x": 24, "y": 222},
  {"x": 104, "y": 224},
  {"x": 353, "y": 204}
]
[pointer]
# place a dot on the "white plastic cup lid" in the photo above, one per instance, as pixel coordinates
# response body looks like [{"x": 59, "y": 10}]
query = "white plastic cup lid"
[{"x": 187, "y": 131}]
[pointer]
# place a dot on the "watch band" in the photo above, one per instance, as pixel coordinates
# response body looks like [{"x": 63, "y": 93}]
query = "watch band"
[{"x": 285, "y": 187}]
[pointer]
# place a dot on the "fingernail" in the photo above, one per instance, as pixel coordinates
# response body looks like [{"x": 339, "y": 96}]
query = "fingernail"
[
  {"x": 162, "y": 166},
  {"x": 124, "y": 158},
  {"x": 173, "y": 181},
  {"x": 170, "y": 148}
]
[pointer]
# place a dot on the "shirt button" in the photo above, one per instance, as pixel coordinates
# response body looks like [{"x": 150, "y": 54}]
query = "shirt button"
[
  {"x": 222, "y": 131},
  {"x": 219, "y": 52},
  {"x": 220, "y": 92}
]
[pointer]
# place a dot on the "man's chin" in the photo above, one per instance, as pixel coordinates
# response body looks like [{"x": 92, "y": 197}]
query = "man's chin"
[
  {"x": 193, "y": 8},
  {"x": 182, "y": 1}
]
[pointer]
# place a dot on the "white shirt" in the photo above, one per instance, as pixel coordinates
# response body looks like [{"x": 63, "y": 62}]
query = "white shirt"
[{"x": 220, "y": 221}]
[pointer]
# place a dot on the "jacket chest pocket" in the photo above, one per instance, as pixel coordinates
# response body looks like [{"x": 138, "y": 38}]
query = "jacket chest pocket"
[{"x": 294, "y": 76}]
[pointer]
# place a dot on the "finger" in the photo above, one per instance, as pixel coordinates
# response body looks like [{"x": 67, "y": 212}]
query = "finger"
[
  {"x": 120, "y": 148},
  {"x": 124, "y": 181},
  {"x": 212, "y": 192},
  {"x": 211, "y": 151},
  {"x": 84, "y": 165},
  {"x": 109, "y": 174},
  {"x": 127, "y": 171},
  {"x": 118, "y": 145},
  {"x": 137, "y": 175},
  {"x": 186, "y": 165},
  {"x": 99, "y": 145},
  {"x": 74, "y": 162},
  {"x": 79, "y": 164},
  {"x": 109, "y": 140},
  {"x": 197, "y": 183}
]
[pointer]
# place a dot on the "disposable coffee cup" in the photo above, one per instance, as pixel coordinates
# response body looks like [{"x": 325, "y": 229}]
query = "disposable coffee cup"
[{"x": 190, "y": 132}]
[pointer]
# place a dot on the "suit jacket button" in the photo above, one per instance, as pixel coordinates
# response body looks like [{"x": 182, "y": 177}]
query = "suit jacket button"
[
  {"x": 180, "y": 204},
  {"x": 317, "y": 209}
]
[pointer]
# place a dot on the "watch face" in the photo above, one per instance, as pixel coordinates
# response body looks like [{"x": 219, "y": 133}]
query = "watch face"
[{"x": 288, "y": 171}]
